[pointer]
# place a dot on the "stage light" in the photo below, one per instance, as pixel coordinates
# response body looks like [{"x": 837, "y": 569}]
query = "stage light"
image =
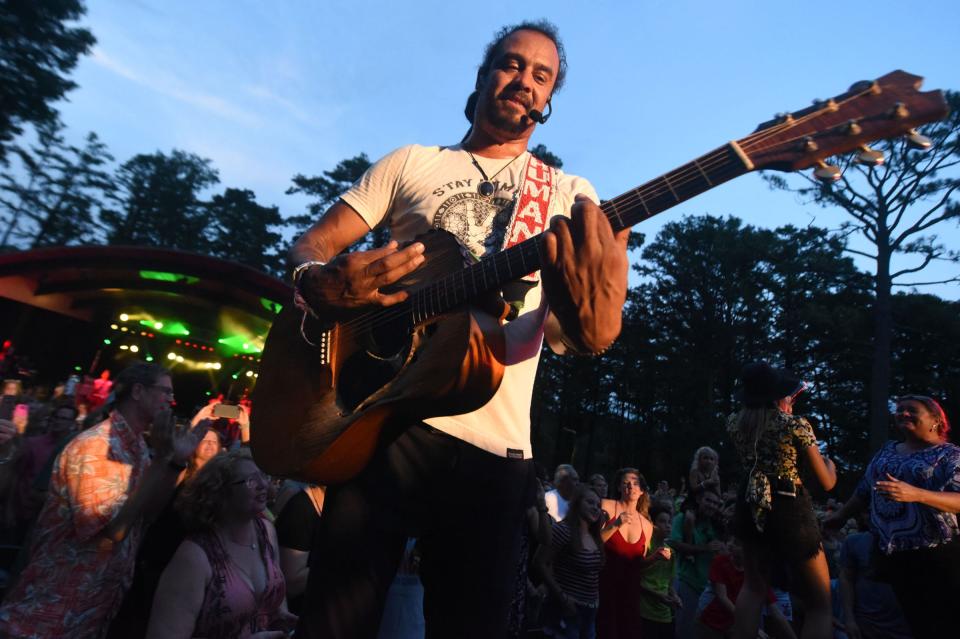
[
  {"x": 158, "y": 325},
  {"x": 124, "y": 329},
  {"x": 78, "y": 368},
  {"x": 171, "y": 356},
  {"x": 107, "y": 342},
  {"x": 217, "y": 366},
  {"x": 124, "y": 347},
  {"x": 134, "y": 349},
  {"x": 249, "y": 373},
  {"x": 149, "y": 358},
  {"x": 114, "y": 326},
  {"x": 179, "y": 358},
  {"x": 124, "y": 317}
]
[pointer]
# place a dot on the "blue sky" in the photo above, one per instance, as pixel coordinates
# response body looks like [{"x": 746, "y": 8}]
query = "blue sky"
[{"x": 270, "y": 89}]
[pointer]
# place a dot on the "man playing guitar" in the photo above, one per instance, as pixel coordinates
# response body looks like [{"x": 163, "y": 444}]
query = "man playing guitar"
[{"x": 459, "y": 483}]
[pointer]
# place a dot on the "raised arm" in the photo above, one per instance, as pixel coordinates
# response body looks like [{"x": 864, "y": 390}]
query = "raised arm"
[
  {"x": 172, "y": 451},
  {"x": 823, "y": 467}
]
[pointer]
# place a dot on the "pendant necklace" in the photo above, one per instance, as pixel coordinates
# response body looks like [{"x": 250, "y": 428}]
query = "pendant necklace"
[{"x": 485, "y": 187}]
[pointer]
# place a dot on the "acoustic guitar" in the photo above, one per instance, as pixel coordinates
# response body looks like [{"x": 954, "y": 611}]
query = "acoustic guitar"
[{"x": 321, "y": 406}]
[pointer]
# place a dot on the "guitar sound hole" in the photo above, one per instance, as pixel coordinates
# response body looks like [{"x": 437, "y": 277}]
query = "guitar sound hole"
[{"x": 364, "y": 373}]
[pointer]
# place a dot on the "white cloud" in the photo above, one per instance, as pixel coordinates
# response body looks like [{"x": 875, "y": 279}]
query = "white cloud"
[{"x": 174, "y": 88}]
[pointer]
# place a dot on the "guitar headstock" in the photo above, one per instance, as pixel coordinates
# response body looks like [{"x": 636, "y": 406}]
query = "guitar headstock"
[{"x": 884, "y": 108}]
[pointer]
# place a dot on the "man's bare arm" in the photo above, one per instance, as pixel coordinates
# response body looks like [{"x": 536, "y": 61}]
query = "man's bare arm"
[{"x": 349, "y": 280}]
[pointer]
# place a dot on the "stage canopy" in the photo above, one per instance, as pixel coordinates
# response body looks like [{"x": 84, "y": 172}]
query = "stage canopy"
[{"x": 188, "y": 312}]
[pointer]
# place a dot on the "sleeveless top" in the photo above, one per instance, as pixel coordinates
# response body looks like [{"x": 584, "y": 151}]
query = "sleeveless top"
[
  {"x": 230, "y": 608},
  {"x": 618, "y": 617}
]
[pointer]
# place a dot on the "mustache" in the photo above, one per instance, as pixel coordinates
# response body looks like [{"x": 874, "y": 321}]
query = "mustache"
[{"x": 515, "y": 95}]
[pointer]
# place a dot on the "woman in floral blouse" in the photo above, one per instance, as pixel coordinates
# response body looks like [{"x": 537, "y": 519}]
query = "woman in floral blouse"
[
  {"x": 774, "y": 518},
  {"x": 912, "y": 488}
]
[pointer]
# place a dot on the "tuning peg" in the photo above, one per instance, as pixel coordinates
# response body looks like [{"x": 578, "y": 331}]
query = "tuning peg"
[
  {"x": 866, "y": 85},
  {"x": 899, "y": 111},
  {"x": 852, "y": 128},
  {"x": 827, "y": 105},
  {"x": 826, "y": 172},
  {"x": 918, "y": 141},
  {"x": 808, "y": 145},
  {"x": 869, "y": 157}
]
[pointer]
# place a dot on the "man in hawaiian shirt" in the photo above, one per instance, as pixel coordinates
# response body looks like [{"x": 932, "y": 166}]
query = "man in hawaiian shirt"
[{"x": 104, "y": 490}]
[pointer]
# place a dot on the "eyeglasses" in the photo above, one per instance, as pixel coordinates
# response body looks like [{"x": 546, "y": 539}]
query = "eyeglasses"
[{"x": 252, "y": 481}]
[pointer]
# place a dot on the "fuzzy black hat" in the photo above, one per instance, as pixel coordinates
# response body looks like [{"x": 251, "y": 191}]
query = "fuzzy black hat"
[{"x": 762, "y": 384}]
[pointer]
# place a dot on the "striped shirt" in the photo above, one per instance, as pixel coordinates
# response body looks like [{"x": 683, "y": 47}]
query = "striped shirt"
[{"x": 577, "y": 571}]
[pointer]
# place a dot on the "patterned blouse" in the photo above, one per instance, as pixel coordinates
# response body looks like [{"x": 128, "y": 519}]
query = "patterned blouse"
[
  {"x": 231, "y": 610},
  {"x": 772, "y": 456},
  {"x": 908, "y": 526},
  {"x": 76, "y": 578}
]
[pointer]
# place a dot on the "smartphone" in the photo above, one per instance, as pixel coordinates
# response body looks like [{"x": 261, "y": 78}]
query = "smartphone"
[{"x": 227, "y": 411}]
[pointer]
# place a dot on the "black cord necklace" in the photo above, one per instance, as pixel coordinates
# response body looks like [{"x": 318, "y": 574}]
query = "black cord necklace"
[{"x": 485, "y": 187}]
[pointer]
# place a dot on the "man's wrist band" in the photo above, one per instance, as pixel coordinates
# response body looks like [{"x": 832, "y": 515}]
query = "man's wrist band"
[{"x": 300, "y": 269}]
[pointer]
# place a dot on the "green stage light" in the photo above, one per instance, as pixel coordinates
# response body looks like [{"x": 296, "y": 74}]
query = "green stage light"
[
  {"x": 238, "y": 344},
  {"x": 270, "y": 305},
  {"x": 164, "y": 276},
  {"x": 107, "y": 342},
  {"x": 168, "y": 327}
]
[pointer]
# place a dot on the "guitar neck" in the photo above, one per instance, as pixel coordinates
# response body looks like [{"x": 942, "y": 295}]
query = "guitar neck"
[{"x": 623, "y": 211}]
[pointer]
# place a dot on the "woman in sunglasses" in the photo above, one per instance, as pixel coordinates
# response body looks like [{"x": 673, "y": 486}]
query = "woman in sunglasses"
[
  {"x": 224, "y": 581},
  {"x": 912, "y": 488},
  {"x": 774, "y": 516}
]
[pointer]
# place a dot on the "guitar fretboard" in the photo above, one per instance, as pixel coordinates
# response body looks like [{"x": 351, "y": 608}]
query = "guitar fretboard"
[{"x": 625, "y": 210}]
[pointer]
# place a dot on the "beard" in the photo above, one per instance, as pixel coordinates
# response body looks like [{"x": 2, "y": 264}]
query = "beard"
[{"x": 498, "y": 113}]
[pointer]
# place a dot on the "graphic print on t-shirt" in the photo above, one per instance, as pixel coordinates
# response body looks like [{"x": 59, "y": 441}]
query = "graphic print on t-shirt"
[{"x": 478, "y": 222}]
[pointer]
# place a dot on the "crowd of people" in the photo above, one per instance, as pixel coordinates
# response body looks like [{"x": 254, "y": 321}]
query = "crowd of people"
[{"x": 131, "y": 524}]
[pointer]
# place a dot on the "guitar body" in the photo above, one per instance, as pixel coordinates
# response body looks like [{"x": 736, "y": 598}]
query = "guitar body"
[{"x": 320, "y": 411}]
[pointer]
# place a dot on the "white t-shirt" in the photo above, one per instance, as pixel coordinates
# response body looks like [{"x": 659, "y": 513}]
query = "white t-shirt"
[
  {"x": 557, "y": 506},
  {"x": 416, "y": 188}
]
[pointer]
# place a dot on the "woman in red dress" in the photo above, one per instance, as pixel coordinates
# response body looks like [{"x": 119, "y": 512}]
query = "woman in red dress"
[{"x": 626, "y": 538}]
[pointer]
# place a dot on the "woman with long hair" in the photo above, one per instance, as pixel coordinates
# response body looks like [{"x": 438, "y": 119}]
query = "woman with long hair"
[
  {"x": 912, "y": 488},
  {"x": 570, "y": 567},
  {"x": 705, "y": 470},
  {"x": 626, "y": 538},
  {"x": 774, "y": 517},
  {"x": 224, "y": 582}
]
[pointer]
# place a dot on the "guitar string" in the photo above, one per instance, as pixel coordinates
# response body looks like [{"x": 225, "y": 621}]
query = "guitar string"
[{"x": 753, "y": 143}]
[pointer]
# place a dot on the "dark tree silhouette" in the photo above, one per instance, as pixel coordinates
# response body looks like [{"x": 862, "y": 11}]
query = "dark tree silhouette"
[
  {"x": 55, "y": 195},
  {"x": 38, "y": 48},
  {"x": 244, "y": 231},
  {"x": 159, "y": 202}
]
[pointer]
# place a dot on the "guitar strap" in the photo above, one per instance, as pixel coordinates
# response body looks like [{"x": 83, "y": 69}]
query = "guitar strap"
[
  {"x": 532, "y": 208},
  {"x": 529, "y": 218}
]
